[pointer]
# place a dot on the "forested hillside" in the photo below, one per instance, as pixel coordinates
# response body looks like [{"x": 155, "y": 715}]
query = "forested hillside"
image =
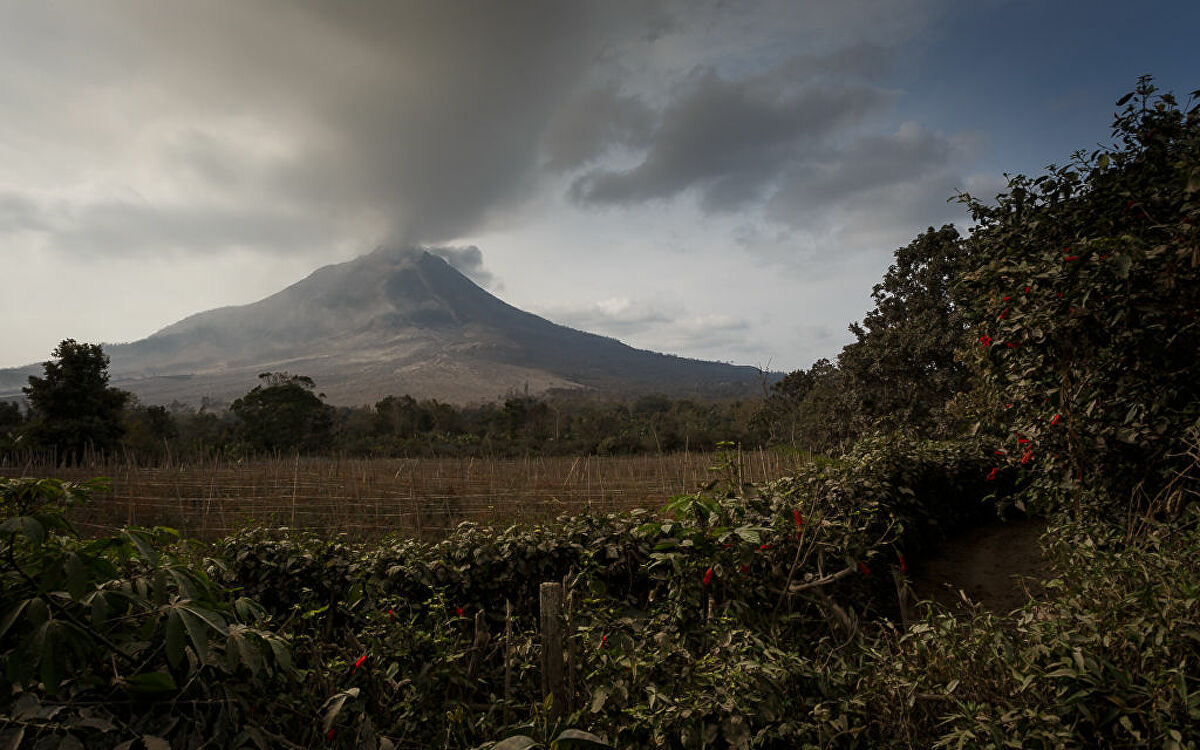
[{"x": 1042, "y": 364}]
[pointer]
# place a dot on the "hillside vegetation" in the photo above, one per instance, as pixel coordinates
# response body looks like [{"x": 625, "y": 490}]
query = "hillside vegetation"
[{"x": 772, "y": 618}]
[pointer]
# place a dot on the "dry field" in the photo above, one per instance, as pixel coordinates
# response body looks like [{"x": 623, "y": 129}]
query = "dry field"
[{"x": 369, "y": 497}]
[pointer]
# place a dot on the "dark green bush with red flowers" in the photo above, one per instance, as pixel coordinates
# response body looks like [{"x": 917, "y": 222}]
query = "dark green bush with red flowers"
[{"x": 1085, "y": 335}]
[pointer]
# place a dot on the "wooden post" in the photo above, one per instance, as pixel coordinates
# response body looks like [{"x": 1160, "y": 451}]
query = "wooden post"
[
  {"x": 507, "y": 658},
  {"x": 552, "y": 648}
]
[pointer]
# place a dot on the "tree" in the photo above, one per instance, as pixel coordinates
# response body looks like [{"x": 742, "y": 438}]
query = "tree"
[
  {"x": 73, "y": 406},
  {"x": 815, "y": 409},
  {"x": 902, "y": 364},
  {"x": 10, "y": 416},
  {"x": 283, "y": 414}
]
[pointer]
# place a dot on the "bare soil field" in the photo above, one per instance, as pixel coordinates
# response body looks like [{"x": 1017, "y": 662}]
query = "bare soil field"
[{"x": 423, "y": 497}]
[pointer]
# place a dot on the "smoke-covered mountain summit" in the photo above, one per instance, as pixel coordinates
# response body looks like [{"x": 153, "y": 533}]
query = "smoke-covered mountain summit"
[{"x": 393, "y": 322}]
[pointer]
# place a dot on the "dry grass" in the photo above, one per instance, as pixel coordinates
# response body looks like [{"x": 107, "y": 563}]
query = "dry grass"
[{"x": 370, "y": 497}]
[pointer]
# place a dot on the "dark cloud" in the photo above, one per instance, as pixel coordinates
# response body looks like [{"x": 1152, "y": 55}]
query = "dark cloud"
[
  {"x": 730, "y": 138},
  {"x": 398, "y": 122},
  {"x": 878, "y": 190},
  {"x": 870, "y": 163},
  {"x": 594, "y": 121}
]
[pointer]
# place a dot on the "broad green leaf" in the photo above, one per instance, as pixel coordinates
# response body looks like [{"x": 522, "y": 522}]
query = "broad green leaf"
[
  {"x": 28, "y": 526},
  {"x": 333, "y": 707},
  {"x": 77, "y": 580},
  {"x": 239, "y": 643},
  {"x": 570, "y": 739},
  {"x": 749, "y": 534},
  {"x": 283, "y": 655},
  {"x": 175, "y": 638},
  {"x": 11, "y": 616},
  {"x": 52, "y": 657},
  {"x": 196, "y": 632},
  {"x": 516, "y": 742}
]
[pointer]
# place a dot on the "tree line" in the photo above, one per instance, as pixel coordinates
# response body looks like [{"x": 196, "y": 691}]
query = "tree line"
[{"x": 72, "y": 412}]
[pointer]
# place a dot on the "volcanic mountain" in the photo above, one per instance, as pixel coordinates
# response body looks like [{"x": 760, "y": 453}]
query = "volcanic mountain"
[{"x": 392, "y": 322}]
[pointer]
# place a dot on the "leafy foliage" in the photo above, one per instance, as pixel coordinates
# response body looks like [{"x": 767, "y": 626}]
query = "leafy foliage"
[
  {"x": 901, "y": 371},
  {"x": 902, "y": 363},
  {"x": 121, "y": 638},
  {"x": 1085, "y": 316},
  {"x": 283, "y": 414},
  {"x": 73, "y": 406}
]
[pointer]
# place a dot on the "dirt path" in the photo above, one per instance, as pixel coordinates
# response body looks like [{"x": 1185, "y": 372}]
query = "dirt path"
[{"x": 986, "y": 564}]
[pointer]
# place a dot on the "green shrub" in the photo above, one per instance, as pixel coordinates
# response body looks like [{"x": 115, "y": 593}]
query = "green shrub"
[{"x": 1085, "y": 316}]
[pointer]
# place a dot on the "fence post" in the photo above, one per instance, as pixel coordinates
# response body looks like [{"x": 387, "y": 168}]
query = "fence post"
[{"x": 552, "y": 648}]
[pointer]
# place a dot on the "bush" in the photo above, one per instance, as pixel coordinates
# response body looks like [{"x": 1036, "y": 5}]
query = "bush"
[{"x": 1085, "y": 316}]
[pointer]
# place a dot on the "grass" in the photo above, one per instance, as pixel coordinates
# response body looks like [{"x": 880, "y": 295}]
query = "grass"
[{"x": 368, "y": 498}]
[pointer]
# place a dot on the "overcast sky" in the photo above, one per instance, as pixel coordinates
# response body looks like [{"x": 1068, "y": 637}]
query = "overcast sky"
[{"x": 724, "y": 179}]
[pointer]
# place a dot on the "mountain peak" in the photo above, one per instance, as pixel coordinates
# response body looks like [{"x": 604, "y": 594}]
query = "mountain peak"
[{"x": 391, "y": 322}]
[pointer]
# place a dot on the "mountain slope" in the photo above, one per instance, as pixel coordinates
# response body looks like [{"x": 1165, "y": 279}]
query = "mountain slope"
[{"x": 392, "y": 322}]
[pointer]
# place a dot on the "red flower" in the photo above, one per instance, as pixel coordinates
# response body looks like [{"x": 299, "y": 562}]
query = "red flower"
[
  {"x": 361, "y": 660},
  {"x": 862, "y": 568},
  {"x": 745, "y": 568},
  {"x": 903, "y": 565},
  {"x": 1022, "y": 441},
  {"x": 1001, "y": 453},
  {"x": 603, "y": 640},
  {"x": 992, "y": 474},
  {"x": 765, "y": 546},
  {"x": 986, "y": 340},
  {"x": 459, "y": 610},
  {"x": 1071, "y": 257},
  {"x": 1055, "y": 419},
  {"x": 1012, "y": 345},
  {"x": 391, "y": 615},
  {"x": 1058, "y": 294},
  {"x": 707, "y": 577},
  {"x": 799, "y": 519},
  {"x": 329, "y": 735},
  {"x": 1006, "y": 299},
  {"x": 1003, "y": 315},
  {"x": 1026, "y": 456},
  {"x": 1027, "y": 289}
]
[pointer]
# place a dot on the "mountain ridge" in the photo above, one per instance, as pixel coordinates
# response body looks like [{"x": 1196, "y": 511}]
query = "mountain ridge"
[{"x": 388, "y": 323}]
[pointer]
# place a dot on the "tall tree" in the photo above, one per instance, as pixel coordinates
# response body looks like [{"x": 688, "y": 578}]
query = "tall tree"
[
  {"x": 73, "y": 406},
  {"x": 283, "y": 413},
  {"x": 902, "y": 363}
]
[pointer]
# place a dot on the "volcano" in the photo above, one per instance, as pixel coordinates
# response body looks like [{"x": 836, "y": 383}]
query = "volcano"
[{"x": 393, "y": 322}]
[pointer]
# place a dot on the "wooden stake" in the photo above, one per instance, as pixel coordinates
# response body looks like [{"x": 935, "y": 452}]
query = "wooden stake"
[
  {"x": 552, "y": 648},
  {"x": 507, "y": 660}
]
